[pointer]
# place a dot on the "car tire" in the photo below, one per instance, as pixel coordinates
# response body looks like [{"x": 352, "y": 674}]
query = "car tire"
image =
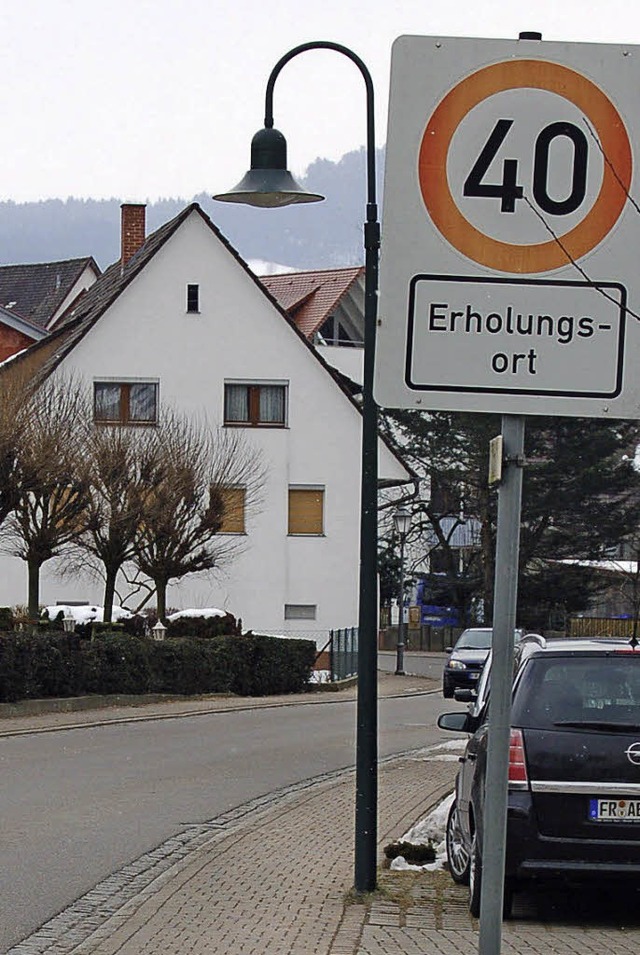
[
  {"x": 447, "y": 691},
  {"x": 457, "y": 854},
  {"x": 475, "y": 877},
  {"x": 475, "y": 884}
]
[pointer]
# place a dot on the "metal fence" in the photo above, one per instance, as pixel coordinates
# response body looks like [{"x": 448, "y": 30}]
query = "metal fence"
[{"x": 343, "y": 653}]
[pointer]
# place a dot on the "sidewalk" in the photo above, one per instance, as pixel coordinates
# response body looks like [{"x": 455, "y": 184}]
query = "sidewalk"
[{"x": 274, "y": 876}]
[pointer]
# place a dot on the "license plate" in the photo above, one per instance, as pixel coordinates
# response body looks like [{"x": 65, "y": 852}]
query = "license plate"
[{"x": 614, "y": 810}]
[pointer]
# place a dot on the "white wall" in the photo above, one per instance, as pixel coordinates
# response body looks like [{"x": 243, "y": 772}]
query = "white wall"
[{"x": 237, "y": 335}]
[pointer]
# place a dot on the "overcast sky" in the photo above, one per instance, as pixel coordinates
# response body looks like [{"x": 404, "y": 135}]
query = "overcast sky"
[{"x": 141, "y": 99}]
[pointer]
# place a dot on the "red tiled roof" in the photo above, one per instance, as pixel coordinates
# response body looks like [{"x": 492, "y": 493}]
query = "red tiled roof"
[{"x": 311, "y": 297}]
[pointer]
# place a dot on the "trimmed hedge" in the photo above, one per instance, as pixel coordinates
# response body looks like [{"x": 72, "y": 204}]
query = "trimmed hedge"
[
  {"x": 192, "y": 626},
  {"x": 58, "y": 664}
]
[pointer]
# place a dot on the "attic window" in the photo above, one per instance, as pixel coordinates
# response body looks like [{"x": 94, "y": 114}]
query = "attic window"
[{"x": 193, "y": 298}]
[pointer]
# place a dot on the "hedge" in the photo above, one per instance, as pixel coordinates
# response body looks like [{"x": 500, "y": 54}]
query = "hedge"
[{"x": 55, "y": 664}]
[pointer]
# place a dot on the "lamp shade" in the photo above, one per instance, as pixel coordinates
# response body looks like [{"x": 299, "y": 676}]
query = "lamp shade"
[
  {"x": 268, "y": 183},
  {"x": 402, "y": 520}
]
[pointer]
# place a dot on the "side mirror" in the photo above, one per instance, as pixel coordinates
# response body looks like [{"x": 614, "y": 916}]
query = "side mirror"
[
  {"x": 464, "y": 695},
  {"x": 457, "y": 722},
  {"x": 448, "y": 649}
]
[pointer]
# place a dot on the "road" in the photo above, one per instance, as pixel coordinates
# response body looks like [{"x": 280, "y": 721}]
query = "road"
[
  {"x": 419, "y": 664},
  {"x": 77, "y": 805}
]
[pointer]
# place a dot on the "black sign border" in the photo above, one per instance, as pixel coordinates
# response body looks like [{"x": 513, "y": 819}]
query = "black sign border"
[{"x": 486, "y": 280}]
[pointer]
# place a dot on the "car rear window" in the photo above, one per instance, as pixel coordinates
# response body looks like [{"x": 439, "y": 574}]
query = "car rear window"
[{"x": 596, "y": 690}]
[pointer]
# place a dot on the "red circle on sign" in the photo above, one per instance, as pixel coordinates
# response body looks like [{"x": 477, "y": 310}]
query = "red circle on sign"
[{"x": 542, "y": 256}]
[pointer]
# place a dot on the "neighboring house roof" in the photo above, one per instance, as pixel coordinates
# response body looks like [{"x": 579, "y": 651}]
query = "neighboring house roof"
[
  {"x": 311, "y": 297},
  {"x": 37, "y": 291},
  {"x": 13, "y": 319}
]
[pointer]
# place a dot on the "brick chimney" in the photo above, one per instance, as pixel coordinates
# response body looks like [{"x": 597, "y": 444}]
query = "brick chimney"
[{"x": 133, "y": 230}]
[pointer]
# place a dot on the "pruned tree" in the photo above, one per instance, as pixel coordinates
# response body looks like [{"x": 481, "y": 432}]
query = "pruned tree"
[
  {"x": 15, "y": 397},
  {"x": 122, "y": 464},
  {"x": 205, "y": 479},
  {"x": 49, "y": 503}
]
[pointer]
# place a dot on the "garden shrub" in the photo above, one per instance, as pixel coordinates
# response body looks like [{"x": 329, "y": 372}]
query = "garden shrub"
[
  {"x": 6, "y": 619},
  {"x": 35, "y": 665},
  {"x": 117, "y": 663},
  {"x": 225, "y": 625}
]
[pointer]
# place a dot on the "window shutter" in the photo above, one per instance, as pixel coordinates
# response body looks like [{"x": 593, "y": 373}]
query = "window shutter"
[
  {"x": 233, "y": 517},
  {"x": 306, "y": 511}
]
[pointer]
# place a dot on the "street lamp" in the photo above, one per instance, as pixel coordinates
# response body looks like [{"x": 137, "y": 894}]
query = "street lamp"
[
  {"x": 402, "y": 520},
  {"x": 269, "y": 184}
]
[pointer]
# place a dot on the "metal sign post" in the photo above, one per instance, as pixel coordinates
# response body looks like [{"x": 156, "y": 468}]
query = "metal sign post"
[{"x": 504, "y": 622}]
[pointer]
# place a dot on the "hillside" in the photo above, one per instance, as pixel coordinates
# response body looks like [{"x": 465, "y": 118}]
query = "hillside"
[{"x": 319, "y": 235}]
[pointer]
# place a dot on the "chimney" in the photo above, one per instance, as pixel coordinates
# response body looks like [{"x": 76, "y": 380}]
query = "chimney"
[{"x": 132, "y": 230}]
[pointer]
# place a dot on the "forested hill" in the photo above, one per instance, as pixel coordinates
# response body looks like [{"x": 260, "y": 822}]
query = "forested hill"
[{"x": 318, "y": 235}]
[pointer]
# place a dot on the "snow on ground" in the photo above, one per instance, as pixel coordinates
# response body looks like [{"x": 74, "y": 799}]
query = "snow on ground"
[
  {"x": 432, "y": 828},
  {"x": 443, "y": 752},
  {"x": 320, "y": 676},
  {"x": 86, "y": 613}
]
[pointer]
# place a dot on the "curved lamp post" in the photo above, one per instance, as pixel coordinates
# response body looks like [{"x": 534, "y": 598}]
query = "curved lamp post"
[
  {"x": 269, "y": 184},
  {"x": 402, "y": 522}
]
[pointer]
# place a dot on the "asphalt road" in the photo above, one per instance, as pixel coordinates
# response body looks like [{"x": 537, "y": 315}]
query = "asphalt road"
[
  {"x": 77, "y": 805},
  {"x": 418, "y": 664}
]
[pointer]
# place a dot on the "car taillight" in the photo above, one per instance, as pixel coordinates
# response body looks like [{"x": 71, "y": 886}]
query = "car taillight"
[{"x": 517, "y": 762}]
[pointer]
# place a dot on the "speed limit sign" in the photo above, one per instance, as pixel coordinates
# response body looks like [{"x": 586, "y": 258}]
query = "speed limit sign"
[{"x": 508, "y": 278}]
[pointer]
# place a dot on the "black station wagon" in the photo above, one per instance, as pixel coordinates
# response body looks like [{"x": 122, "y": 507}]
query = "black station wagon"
[{"x": 574, "y": 767}]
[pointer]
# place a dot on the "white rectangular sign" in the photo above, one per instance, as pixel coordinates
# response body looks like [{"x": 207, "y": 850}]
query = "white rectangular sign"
[{"x": 509, "y": 280}]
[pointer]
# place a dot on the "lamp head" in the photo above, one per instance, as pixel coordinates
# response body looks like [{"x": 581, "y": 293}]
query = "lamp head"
[
  {"x": 402, "y": 520},
  {"x": 268, "y": 184}
]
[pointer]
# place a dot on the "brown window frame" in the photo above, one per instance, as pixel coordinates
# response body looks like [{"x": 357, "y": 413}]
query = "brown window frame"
[
  {"x": 254, "y": 420},
  {"x": 124, "y": 417}
]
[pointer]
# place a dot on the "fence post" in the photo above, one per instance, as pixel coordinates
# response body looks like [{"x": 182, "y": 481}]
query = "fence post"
[{"x": 331, "y": 661}]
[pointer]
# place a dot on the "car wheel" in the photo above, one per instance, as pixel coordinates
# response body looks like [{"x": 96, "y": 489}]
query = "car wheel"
[
  {"x": 475, "y": 878},
  {"x": 447, "y": 691},
  {"x": 457, "y": 853}
]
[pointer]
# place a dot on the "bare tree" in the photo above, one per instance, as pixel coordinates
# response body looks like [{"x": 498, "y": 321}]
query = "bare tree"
[
  {"x": 49, "y": 500},
  {"x": 15, "y": 396},
  {"x": 205, "y": 478},
  {"x": 122, "y": 464}
]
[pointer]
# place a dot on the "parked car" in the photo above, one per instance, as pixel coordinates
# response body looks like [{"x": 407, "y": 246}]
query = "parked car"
[
  {"x": 574, "y": 767},
  {"x": 467, "y": 658}
]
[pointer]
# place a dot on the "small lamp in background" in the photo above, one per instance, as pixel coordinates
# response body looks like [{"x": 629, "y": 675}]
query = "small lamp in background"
[
  {"x": 402, "y": 522},
  {"x": 159, "y": 631},
  {"x": 69, "y": 622}
]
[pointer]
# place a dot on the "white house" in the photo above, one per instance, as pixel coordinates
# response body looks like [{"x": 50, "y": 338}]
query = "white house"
[{"x": 181, "y": 320}]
